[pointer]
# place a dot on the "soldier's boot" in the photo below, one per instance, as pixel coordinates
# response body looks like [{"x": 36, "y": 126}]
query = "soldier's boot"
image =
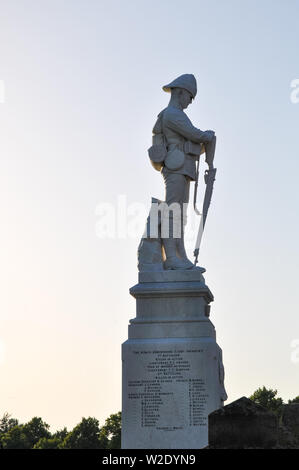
[
  {"x": 172, "y": 261},
  {"x": 170, "y": 246}
]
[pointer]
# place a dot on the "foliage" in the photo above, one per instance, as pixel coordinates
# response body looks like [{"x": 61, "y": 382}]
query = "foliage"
[
  {"x": 60, "y": 434},
  {"x": 45, "y": 443},
  {"x": 266, "y": 398},
  {"x": 295, "y": 400},
  {"x": 86, "y": 435},
  {"x": 23, "y": 436},
  {"x": 54, "y": 442},
  {"x": 7, "y": 423},
  {"x": 15, "y": 438},
  {"x": 35, "y": 430},
  {"x": 36, "y": 435},
  {"x": 112, "y": 430}
]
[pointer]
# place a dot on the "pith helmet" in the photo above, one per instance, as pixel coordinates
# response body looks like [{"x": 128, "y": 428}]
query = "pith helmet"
[{"x": 186, "y": 81}]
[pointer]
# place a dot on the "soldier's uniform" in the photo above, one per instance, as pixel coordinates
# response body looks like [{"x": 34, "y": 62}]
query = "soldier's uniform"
[{"x": 177, "y": 129}]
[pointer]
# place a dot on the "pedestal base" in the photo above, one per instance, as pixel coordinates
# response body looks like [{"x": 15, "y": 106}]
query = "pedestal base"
[{"x": 172, "y": 365}]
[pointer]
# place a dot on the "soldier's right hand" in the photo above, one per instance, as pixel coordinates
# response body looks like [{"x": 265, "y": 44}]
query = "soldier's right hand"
[{"x": 208, "y": 136}]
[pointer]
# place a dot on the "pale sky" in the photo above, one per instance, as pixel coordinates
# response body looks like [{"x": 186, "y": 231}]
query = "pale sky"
[{"x": 82, "y": 91}]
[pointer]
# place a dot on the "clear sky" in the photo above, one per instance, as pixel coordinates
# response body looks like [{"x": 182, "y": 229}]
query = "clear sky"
[{"x": 82, "y": 90}]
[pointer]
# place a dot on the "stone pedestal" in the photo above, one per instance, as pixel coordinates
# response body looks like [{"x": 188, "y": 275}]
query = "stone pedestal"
[{"x": 172, "y": 366}]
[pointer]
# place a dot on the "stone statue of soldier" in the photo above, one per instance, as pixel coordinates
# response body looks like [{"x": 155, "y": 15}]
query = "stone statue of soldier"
[
  {"x": 173, "y": 307},
  {"x": 179, "y": 166}
]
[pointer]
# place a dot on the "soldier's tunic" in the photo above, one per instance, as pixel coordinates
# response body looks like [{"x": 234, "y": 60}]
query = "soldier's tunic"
[{"x": 177, "y": 129}]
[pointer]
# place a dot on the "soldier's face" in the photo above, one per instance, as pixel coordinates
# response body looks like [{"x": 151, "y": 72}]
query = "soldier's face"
[{"x": 186, "y": 98}]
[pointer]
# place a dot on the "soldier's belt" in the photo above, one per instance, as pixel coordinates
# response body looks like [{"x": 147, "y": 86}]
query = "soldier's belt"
[
  {"x": 188, "y": 147},
  {"x": 192, "y": 148}
]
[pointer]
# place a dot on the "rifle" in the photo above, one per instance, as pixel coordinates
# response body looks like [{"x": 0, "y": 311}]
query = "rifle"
[{"x": 209, "y": 177}]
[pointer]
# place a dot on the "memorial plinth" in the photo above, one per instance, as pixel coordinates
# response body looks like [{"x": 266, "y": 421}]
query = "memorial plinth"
[{"x": 172, "y": 366}]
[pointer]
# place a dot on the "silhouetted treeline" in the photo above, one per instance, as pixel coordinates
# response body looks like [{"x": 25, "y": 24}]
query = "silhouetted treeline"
[{"x": 36, "y": 435}]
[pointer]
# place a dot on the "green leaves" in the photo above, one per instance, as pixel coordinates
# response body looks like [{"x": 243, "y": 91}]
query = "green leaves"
[
  {"x": 112, "y": 431},
  {"x": 295, "y": 400},
  {"x": 36, "y": 435},
  {"x": 15, "y": 438},
  {"x": 266, "y": 398},
  {"x": 51, "y": 443},
  {"x": 7, "y": 423},
  {"x": 86, "y": 435},
  {"x": 25, "y": 436}
]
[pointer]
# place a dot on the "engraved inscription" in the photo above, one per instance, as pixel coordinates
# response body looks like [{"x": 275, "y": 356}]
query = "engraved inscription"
[
  {"x": 172, "y": 382},
  {"x": 197, "y": 402}
]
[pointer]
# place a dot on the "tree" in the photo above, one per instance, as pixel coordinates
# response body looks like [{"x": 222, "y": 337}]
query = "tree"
[
  {"x": 266, "y": 398},
  {"x": 86, "y": 435},
  {"x": 61, "y": 434},
  {"x": 52, "y": 443},
  {"x": 295, "y": 400},
  {"x": 15, "y": 438},
  {"x": 112, "y": 431},
  {"x": 7, "y": 423},
  {"x": 35, "y": 430}
]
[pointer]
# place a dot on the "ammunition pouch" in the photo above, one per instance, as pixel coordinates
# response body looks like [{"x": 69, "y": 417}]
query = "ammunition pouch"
[
  {"x": 175, "y": 158},
  {"x": 158, "y": 151}
]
